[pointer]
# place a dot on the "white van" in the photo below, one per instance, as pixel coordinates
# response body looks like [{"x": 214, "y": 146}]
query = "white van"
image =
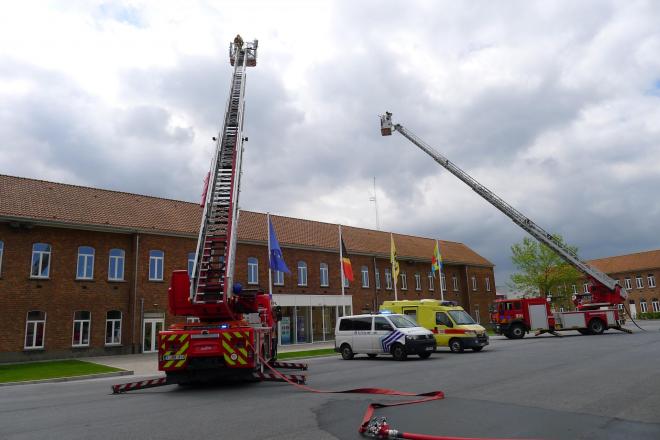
[{"x": 382, "y": 334}]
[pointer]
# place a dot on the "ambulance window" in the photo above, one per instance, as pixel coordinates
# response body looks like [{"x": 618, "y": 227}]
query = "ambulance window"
[
  {"x": 411, "y": 314},
  {"x": 362, "y": 323},
  {"x": 441, "y": 318},
  {"x": 381, "y": 323},
  {"x": 518, "y": 305}
]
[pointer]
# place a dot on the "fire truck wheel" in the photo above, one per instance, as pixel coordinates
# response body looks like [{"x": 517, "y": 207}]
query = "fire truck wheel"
[
  {"x": 456, "y": 346},
  {"x": 399, "y": 352},
  {"x": 584, "y": 331},
  {"x": 517, "y": 331},
  {"x": 596, "y": 326},
  {"x": 372, "y": 355},
  {"x": 346, "y": 352}
]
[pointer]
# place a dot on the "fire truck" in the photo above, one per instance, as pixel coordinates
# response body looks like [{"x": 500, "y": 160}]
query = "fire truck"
[{"x": 598, "y": 309}]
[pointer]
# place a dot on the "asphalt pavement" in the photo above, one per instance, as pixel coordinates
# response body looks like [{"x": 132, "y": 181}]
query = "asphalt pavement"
[{"x": 573, "y": 387}]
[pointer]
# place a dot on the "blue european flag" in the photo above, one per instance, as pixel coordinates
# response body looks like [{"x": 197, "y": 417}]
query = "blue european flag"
[{"x": 276, "y": 259}]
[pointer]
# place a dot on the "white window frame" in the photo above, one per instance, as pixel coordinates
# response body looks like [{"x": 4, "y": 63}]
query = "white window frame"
[
  {"x": 431, "y": 283},
  {"x": 364, "y": 271},
  {"x": 628, "y": 283},
  {"x": 650, "y": 279},
  {"x": 574, "y": 289},
  {"x": 324, "y": 275},
  {"x": 639, "y": 281},
  {"x": 586, "y": 287},
  {"x": 487, "y": 282},
  {"x": 115, "y": 323},
  {"x": 454, "y": 282},
  {"x": 191, "y": 263},
  {"x": 81, "y": 322},
  {"x": 377, "y": 278},
  {"x": 158, "y": 260},
  {"x": 655, "y": 305},
  {"x": 404, "y": 281},
  {"x": 643, "y": 307},
  {"x": 83, "y": 263},
  {"x": 443, "y": 281},
  {"x": 253, "y": 271},
  {"x": 474, "y": 283},
  {"x": 302, "y": 274},
  {"x": 418, "y": 281},
  {"x": 34, "y": 323},
  {"x": 2, "y": 250},
  {"x": 388, "y": 279},
  {"x": 40, "y": 255},
  {"x": 278, "y": 279},
  {"x": 116, "y": 259}
]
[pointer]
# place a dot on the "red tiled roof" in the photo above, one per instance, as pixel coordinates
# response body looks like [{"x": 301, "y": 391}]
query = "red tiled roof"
[
  {"x": 38, "y": 200},
  {"x": 628, "y": 263}
]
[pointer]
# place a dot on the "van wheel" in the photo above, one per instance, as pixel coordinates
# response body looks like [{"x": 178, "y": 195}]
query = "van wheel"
[
  {"x": 456, "y": 346},
  {"x": 584, "y": 331},
  {"x": 517, "y": 331},
  {"x": 346, "y": 352},
  {"x": 477, "y": 348},
  {"x": 596, "y": 326},
  {"x": 372, "y": 355},
  {"x": 399, "y": 352},
  {"x": 424, "y": 355}
]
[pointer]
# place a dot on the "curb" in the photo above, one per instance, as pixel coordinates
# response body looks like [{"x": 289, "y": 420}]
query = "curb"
[{"x": 70, "y": 379}]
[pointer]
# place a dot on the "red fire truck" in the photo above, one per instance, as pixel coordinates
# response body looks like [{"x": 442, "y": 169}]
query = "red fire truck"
[{"x": 597, "y": 310}]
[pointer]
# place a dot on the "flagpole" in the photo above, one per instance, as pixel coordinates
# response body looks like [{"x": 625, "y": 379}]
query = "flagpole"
[
  {"x": 442, "y": 291},
  {"x": 394, "y": 275},
  {"x": 341, "y": 270},
  {"x": 270, "y": 274}
]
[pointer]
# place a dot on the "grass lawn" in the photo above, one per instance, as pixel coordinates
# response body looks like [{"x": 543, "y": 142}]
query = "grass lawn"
[
  {"x": 49, "y": 370},
  {"x": 305, "y": 353}
]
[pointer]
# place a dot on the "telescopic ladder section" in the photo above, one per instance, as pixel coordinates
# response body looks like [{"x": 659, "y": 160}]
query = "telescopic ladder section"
[
  {"x": 213, "y": 269},
  {"x": 386, "y": 127}
]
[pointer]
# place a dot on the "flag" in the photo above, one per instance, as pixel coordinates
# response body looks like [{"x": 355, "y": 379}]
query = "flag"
[
  {"x": 436, "y": 260},
  {"x": 395, "y": 264},
  {"x": 346, "y": 263},
  {"x": 276, "y": 261}
]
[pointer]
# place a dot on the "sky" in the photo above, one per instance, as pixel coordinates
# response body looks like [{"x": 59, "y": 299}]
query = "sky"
[{"x": 554, "y": 106}]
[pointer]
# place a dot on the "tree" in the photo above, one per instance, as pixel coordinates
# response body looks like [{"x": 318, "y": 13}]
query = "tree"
[{"x": 541, "y": 272}]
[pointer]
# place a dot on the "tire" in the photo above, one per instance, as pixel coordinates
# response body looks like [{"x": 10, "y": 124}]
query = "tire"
[
  {"x": 424, "y": 355},
  {"x": 596, "y": 326},
  {"x": 456, "y": 345},
  {"x": 584, "y": 331},
  {"x": 372, "y": 355},
  {"x": 517, "y": 331},
  {"x": 399, "y": 352},
  {"x": 346, "y": 352},
  {"x": 477, "y": 348}
]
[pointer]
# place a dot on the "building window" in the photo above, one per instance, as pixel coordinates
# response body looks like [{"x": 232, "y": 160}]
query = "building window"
[
  {"x": 628, "y": 283},
  {"x": 586, "y": 287},
  {"x": 325, "y": 277},
  {"x": 279, "y": 278},
  {"x": 487, "y": 281},
  {"x": 113, "y": 328},
  {"x": 85, "y": 270},
  {"x": 365, "y": 276},
  {"x": 191, "y": 264},
  {"x": 156, "y": 265},
  {"x": 431, "y": 276},
  {"x": 40, "y": 260},
  {"x": 388, "y": 279},
  {"x": 642, "y": 306},
  {"x": 81, "y": 324},
  {"x": 2, "y": 249},
  {"x": 253, "y": 271},
  {"x": 474, "y": 283},
  {"x": 640, "y": 282},
  {"x": 454, "y": 281},
  {"x": 302, "y": 273},
  {"x": 404, "y": 281},
  {"x": 418, "y": 281},
  {"x": 656, "y": 305},
  {"x": 574, "y": 289},
  {"x": 443, "y": 281},
  {"x": 116, "y": 265},
  {"x": 377, "y": 278},
  {"x": 651, "y": 277},
  {"x": 35, "y": 329}
]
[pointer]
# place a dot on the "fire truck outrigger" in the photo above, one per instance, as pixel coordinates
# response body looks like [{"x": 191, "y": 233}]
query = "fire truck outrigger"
[{"x": 599, "y": 309}]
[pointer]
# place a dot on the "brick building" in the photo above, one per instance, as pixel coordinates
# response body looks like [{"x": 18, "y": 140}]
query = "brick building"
[{"x": 85, "y": 271}]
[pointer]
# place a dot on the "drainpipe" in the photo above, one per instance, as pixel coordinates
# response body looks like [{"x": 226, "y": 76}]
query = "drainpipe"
[
  {"x": 467, "y": 289},
  {"x": 141, "y": 323},
  {"x": 135, "y": 278},
  {"x": 375, "y": 288}
]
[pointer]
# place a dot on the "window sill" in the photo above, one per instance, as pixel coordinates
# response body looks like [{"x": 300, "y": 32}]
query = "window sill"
[
  {"x": 156, "y": 281},
  {"x": 117, "y": 281},
  {"x": 31, "y": 349},
  {"x": 113, "y": 345},
  {"x": 84, "y": 280},
  {"x": 39, "y": 278},
  {"x": 80, "y": 346}
]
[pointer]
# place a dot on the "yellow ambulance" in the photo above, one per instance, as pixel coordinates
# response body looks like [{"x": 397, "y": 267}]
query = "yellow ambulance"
[{"x": 449, "y": 323}]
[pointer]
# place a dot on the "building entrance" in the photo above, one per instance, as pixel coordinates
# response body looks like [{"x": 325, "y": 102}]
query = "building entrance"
[{"x": 150, "y": 330}]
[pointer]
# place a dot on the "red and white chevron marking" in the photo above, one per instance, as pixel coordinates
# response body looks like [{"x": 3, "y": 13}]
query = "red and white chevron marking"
[
  {"x": 150, "y": 383},
  {"x": 289, "y": 365},
  {"x": 271, "y": 377}
]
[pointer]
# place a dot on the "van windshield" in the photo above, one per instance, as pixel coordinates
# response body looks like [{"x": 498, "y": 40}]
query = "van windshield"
[
  {"x": 402, "y": 322},
  {"x": 460, "y": 317}
]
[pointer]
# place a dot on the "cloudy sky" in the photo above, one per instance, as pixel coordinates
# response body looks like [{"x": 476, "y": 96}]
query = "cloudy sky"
[{"x": 555, "y": 106}]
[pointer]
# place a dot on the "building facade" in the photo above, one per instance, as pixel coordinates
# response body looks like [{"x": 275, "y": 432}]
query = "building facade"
[{"x": 85, "y": 271}]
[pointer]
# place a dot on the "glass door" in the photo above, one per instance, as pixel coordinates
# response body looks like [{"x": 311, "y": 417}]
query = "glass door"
[{"x": 150, "y": 330}]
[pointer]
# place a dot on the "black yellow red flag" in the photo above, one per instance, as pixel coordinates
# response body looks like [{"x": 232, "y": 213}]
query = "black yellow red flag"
[{"x": 346, "y": 263}]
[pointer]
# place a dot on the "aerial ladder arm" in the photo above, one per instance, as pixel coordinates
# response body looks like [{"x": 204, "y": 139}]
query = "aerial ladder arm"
[{"x": 604, "y": 289}]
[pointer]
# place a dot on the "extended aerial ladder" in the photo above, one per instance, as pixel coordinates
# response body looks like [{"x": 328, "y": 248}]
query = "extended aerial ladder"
[{"x": 603, "y": 290}]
